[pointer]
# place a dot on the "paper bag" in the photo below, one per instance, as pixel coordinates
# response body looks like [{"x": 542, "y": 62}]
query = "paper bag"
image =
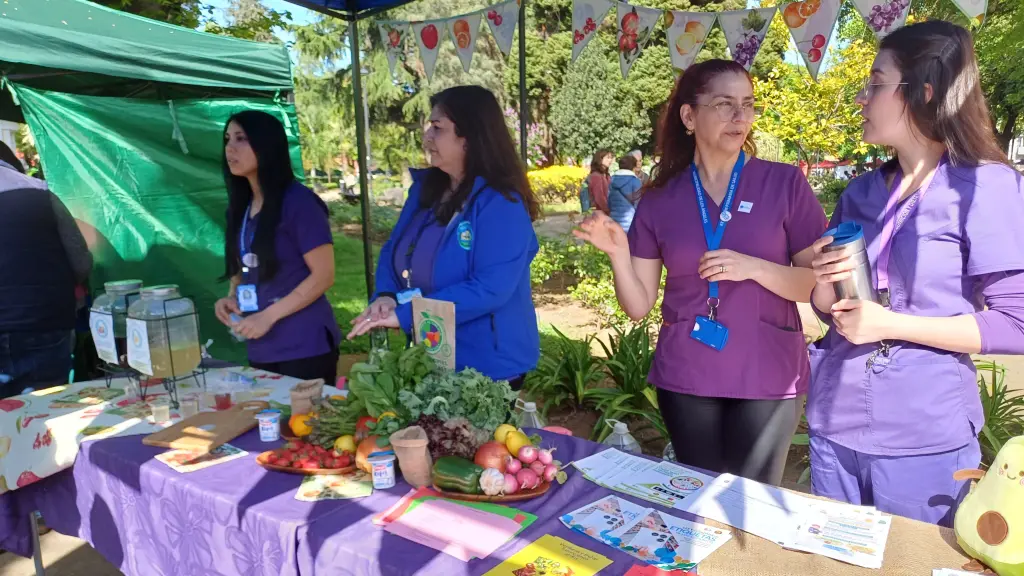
[
  {"x": 307, "y": 394},
  {"x": 434, "y": 325}
]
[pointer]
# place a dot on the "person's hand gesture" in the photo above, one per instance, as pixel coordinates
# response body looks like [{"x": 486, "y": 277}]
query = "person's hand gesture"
[{"x": 603, "y": 233}]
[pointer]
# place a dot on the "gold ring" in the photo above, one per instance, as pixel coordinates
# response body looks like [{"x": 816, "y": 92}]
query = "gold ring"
[{"x": 722, "y": 269}]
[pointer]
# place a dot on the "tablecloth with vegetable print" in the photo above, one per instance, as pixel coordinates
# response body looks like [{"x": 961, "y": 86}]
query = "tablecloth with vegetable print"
[{"x": 40, "y": 432}]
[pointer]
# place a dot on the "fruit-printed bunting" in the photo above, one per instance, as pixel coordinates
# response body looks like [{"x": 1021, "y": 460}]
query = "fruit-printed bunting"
[
  {"x": 883, "y": 16},
  {"x": 502, "y": 19},
  {"x": 635, "y": 24},
  {"x": 686, "y": 33},
  {"x": 745, "y": 31},
  {"x": 428, "y": 38},
  {"x": 811, "y": 23},
  {"x": 392, "y": 35},
  {"x": 464, "y": 30},
  {"x": 587, "y": 15}
]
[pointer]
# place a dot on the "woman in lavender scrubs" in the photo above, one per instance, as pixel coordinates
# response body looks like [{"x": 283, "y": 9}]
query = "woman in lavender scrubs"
[
  {"x": 729, "y": 406},
  {"x": 278, "y": 255},
  {"x": 893, "y": 405}
]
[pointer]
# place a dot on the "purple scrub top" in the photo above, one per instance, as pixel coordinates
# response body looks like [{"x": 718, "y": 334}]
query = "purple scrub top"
[
  {"x": 309, "y": 332},
  {"x": 921, "y": 400},
  {"x": 775, "y": 216}
]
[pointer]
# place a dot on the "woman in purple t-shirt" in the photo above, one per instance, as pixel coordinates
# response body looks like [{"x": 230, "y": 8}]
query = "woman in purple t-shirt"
[
  {"x": 729, "y": 403},
  {"x": 278, "y": 255},
  {"x": 893, "y": 405}
]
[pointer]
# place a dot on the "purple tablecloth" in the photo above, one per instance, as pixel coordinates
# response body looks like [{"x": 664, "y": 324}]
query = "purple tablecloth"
[{"x": 239, "y": 519}]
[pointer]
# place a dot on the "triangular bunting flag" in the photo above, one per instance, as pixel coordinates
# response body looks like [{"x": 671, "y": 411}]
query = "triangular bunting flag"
[
  {"x": 973, "y": 9},
  {"x": 635, "y": 24},
  {"x": 686, "y": 33},
  {"x": 502, "y": 19},
  {"x": 428, "y": 38},
  {"x": 392, "y": 35},
  {"x": 883, "y": 16},
  {"x": 587, "y": 15},
  {"x": 744, "y": 31},
  {"x": 811, "y": 23},
  {"x": 464, "y": 30}
]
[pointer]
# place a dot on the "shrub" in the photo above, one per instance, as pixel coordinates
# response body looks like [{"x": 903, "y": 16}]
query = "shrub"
[
  {"x": 557, "y": 184},
  {"x": 828, "y": 187}
]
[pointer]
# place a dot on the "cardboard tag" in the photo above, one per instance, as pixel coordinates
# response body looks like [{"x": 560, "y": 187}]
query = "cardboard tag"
[
  {"x": 138, "y": 346},
  {"x": 433, "y": 323},
  {"x": 102, "y": 327}
]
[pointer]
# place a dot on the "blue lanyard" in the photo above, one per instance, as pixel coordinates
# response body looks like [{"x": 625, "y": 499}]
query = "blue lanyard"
[
  {"x": 712, "y": 235},
  {"x": 244, "y": 239}
]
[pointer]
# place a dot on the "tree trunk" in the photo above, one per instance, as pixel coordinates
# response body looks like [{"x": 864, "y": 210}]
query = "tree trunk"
[{"x": 1007, "y": 132}]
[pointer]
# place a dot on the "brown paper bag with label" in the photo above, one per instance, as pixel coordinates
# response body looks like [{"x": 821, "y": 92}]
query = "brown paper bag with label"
[
  {"x": 307, "y": 394},
  {"x": 433, "y": 322}
]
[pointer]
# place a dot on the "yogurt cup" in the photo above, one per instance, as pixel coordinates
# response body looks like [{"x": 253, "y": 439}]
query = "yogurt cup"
[
  {"x": 270, "y": 425},
  {"x": 382, "y": 467}
]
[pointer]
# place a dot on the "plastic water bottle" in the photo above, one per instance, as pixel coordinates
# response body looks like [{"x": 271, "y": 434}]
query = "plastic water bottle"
[
  {"x": 621, "y": 438},
  {"x": 529, "y": 418},
  {"x": 669, "y": 453}
]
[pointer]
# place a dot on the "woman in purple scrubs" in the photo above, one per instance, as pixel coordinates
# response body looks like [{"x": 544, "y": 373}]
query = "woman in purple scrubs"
[
  {"x": 729, "y": 403},
  {"x": 893, "y": 405},
  {"x": 278, "y": 255}
]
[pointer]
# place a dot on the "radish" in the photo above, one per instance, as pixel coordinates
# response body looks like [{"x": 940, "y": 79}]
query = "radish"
[
  {"x": 550, "y": 471},
  {"x": 528, "y": 454},
  {"x": 545, "y": 456},
  {"x": 513, "y": 465},
  {"x": 528, "y": 479},
  {"x": 537, "y": 467},
  {"x": 511, "y": 484}
]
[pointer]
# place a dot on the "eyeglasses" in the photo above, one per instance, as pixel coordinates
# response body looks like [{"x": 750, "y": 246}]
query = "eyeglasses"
[
  {"x": 869, "y": 87},
  {"x": 727, "y": 110}
]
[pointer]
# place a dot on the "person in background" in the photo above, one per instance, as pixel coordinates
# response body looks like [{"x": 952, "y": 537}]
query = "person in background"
[
  {"x": 731, "y": 359},
  {"x": 624, "y": 192},
  {"x": 44, "y": 257},
  {"x": 893, "y": 406},
  {"x": 278, "y": 255},
  {"x": 599, "y": 179},
  {"x": 466, "y": 236},
  {"x": 640, "y": 172}
]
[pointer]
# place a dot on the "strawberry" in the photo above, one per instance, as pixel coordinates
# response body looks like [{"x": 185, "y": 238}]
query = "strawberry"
[
  {"x": 310, "y": 465},
  {"x": 297, "y": 464},
  {"x": 26, "y": 478},
  {"x": 11, "y": 404}
]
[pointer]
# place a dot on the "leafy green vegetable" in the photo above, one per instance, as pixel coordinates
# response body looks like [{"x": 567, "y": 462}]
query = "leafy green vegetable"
[{"x": 467, "y": 394}]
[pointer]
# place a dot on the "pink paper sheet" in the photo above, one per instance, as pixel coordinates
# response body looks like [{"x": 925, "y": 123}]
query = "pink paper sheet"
[{"x": 456, "y": 530}]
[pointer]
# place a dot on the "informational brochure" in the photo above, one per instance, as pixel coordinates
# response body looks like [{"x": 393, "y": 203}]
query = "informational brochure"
[
  {"x": 647, "y": 534},
  {"x": 660, "y": 482},
  {"x": 852, "y": 534},
  {"x": 552, "y": 556}
]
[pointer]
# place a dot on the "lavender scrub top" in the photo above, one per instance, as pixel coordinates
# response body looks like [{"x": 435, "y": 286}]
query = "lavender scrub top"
[
  {"x": 775, "y": 216},
  {"x": 963, "y": 236},
  {"x": 312, "y": 331},
  {"x": 424, "y": 234}
]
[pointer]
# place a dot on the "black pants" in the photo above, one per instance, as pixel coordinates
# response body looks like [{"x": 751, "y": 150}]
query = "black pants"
[
  {"x": 748, "y": 438},
  {"x": 323, "y": 366}
]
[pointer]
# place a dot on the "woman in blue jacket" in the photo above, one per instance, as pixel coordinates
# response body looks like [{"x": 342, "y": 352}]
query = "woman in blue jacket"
[
  {"x": 624, "y": 192},
  {"x": 466, "y": 236}
]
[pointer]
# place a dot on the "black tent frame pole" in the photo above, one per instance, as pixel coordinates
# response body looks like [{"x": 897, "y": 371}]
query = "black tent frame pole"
[
  {"x": 364, "y": 184},
  {"x": 524, "y": 111}
]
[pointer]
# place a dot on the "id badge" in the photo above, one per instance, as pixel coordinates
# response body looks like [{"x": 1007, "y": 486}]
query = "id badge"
[
  {"x": 247, "y": 301},
  {"x": 406, "y": 296},
  {"x": 710, "y": 333}
]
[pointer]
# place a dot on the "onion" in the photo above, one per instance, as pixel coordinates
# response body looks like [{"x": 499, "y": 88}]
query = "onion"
[
  {"x": 528, "y": 454},
  {"x": 537, "y": 467},
  {"x": 545, "y": 456},
  {"x": 492, "y": 455},
  {"x": 528, "y": 479},
  {"x": 511, "y": 484},
  {"x": 512, "y": 465},
  {"x": 550, "y": 471}
]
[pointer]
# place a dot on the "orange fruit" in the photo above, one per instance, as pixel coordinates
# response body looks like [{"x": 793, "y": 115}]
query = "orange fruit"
[
  {"x": 461, "y": 27},
  {"x": 791, "y": 15},
  {"x": 462, "y": 39},
  {"x": 809, "y": 7},
  {"x": 696, "y": 28}
]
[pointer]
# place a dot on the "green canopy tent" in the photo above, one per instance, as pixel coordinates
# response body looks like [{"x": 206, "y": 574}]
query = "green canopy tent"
[{"x": 127, "y": 114}]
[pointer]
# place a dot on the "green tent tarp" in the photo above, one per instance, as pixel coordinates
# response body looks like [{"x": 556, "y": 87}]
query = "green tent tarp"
[{"x": 127, "y": 115}]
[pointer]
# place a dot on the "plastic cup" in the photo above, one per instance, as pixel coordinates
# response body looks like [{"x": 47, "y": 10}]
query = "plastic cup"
[
  {"x": 270, "y": 425},
  {"x": 189, "y": 407},
  {"x": 161, "y": 409}
]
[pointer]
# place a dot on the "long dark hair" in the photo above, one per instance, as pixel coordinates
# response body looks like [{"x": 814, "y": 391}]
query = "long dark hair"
[
  {"x": 490, "y": 153},
  {"x": 675, "y": 146},
  {"x": 274, "y": 172},
  {"x": 597, "y": 163},
  {"x": 941, "y": 55}
]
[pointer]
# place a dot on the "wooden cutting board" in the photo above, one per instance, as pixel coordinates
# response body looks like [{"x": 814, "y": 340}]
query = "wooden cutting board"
[{"x": 208, "y": 430}]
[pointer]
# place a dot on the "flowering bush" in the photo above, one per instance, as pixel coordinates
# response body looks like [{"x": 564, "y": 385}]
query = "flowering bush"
[
  {"x": 534, "y": 138},
  {"x": 557, "y": 184}
]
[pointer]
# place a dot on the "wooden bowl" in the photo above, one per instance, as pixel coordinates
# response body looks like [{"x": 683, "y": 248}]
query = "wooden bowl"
[
  {"x": 262, "y": 461},
  {"x": 517, "y": 497}
]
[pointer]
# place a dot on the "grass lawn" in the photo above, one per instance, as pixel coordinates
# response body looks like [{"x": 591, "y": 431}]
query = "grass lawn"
[{"x": 348, "y": 295}]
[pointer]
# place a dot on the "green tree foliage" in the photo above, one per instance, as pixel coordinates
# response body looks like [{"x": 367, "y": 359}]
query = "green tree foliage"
[
  {"x": 186, "y": 13},
  {"x": 251, "y": 20}
]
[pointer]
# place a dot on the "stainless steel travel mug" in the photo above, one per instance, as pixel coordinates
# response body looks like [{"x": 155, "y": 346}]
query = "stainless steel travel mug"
[{"x": 848, "y": 237}]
